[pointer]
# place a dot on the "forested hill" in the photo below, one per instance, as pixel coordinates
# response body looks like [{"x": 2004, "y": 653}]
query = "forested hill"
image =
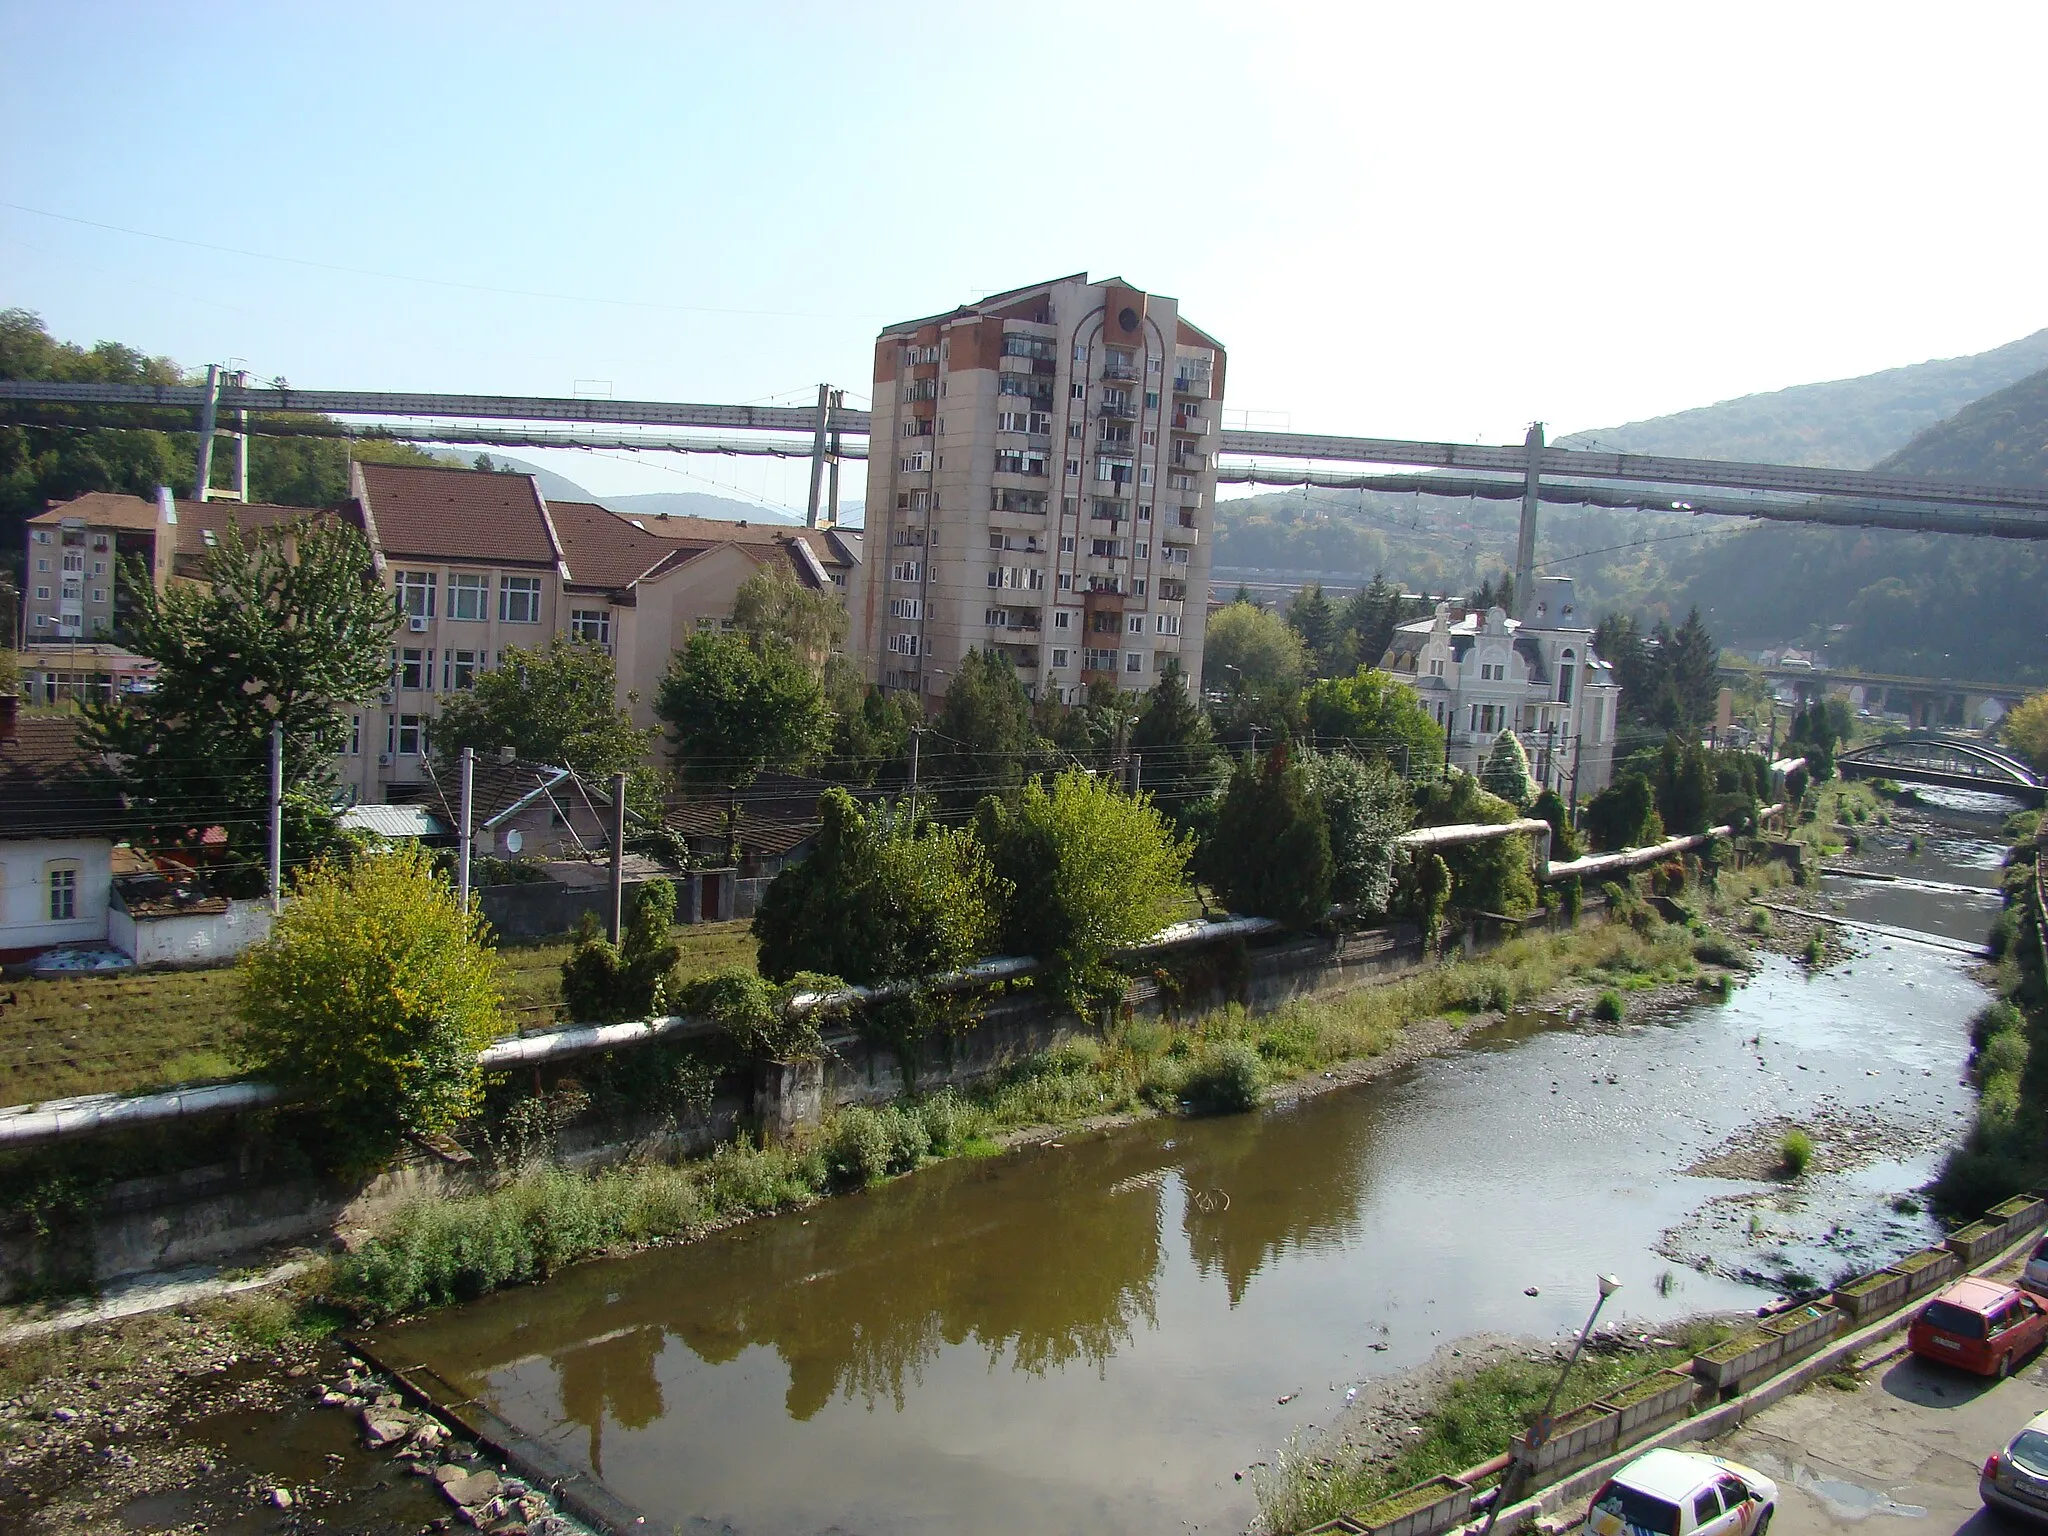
[
  {"x": 2002, "y": 438},
  {"x": 1842, "y": 424}
]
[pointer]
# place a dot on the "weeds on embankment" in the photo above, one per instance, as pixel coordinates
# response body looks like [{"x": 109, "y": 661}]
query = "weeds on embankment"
[
  {"x": 1470, "y": 1422},
  {"x": 438, "y": 1251}
]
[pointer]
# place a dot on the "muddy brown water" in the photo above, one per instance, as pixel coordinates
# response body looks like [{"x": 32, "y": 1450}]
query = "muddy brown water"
[{"x": 1099, "y": 1335}]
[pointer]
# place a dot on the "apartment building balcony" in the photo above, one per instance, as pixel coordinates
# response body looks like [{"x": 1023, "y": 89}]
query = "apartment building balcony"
[
  {"x": 1189, "y": 422},
  {"x": 1023, "y": 658},
  {"x": 1194, "y": 385},
  {"x": 1185, "y": 520},
  {"x": 1117, "y": 407},
  {"x": 1119, "y": 373},
  {"x": 1019, "y": 503},
  {"x": 1188, "y": 463},
  {"x": 1015, "y": 620},
  {"x": 1108, "y": 597},
  {"x": 1172, "y": 591}
]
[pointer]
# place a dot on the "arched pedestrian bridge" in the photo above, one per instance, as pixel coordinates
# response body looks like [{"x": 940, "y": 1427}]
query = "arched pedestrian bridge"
[{"x": 1927, "y": 757}]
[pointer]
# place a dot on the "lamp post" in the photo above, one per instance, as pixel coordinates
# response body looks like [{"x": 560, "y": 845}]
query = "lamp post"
[{"x": 1540, "y": 1430}]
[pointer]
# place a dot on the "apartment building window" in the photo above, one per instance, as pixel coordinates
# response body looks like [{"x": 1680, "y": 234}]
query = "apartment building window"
[
  {"x": 915, "y": 463},
  {"x": 1105, "y": 624},
  {"x": 415, "y": 669},
  {"x": 1151, "y": 437},
  {"x": 42, "y": 563},
  {"x": 1137, "y": 586},
  {"x": 74, "y": 564},
  {"x": 1174, "y": 554},
  {"x": 459, "y": 669},
  {"x": 1077, "y": 390},
  {"x": 1076, "y": 431},
  {"x": 1019, "y": 461},
  {"x": 1073, "y": 469},
  {"x": 99, "y": 567},
  {"x": 518, "y": 599},
  {"x": 1106, "y": 549},
  {"x": 1565, "y": 669},
  {"x": 99, "y": 541},
  {"x": 1144, "y": 474},
  {"x": 1066, "y": 543},
  {"x": 905, "y": 645},
  {"x": 1436, "y": 666},
  {"x": 1112, "y": 471},
  {"x": 355, "y": 735},
  {"x": 1142, "y": 550},
  {"x": 1093, "y": 660},
  {"x": 42, "y": 596},
  {"x": 1134, "y": 661},
  {"x": 416, "y": 594},
  {"x": 1080, "y": 351},
  {"x": 466, "y": 598},
  {"x": 1134, "y": 623},
  {"x": 1492, "y": 671},
  {"x": 99, "y": 594},
  {"x": 1066, "y": 583},
  {"x": 1017, "y": 578},
  {"x": 1169, "y": 623},
  {"x": 1063, "y": 618},
  {"x": 63, "y": 881},
  {"x": 907, "y": 570},
  {"x": 43, "y": 537},
  {"x": 1013, "y": 421},
  {"x": 1059, "y": 657},
  {"x": 592, "y": 624},
  {"x": 1151, "y": 399},
  {"x": 917, "y": 427},
  {"x": 906, "y": 607}
]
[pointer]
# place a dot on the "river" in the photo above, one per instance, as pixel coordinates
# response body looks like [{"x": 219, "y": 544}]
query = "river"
[{"x": 1100, "y": 1334}]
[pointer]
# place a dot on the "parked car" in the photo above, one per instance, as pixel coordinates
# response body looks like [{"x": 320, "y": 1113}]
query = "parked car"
[
  {"x": 2015, "y": 1480},
  {"x": 1683, "y": 1493},
  {"x": 2035, "y": 1276},
  {"x": 1979, "y": 1325}
]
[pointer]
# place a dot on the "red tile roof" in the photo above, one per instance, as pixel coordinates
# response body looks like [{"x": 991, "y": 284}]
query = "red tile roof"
[
  {"x": 604, "y": 550},
  {"x": 137, "y": 514},
  {"x": 758, "y": 538},
  {"x": 457, "y": 514}
]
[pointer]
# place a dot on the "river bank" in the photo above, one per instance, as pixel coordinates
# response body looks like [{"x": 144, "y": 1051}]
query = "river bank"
[{"x": 81, "y": 1468}]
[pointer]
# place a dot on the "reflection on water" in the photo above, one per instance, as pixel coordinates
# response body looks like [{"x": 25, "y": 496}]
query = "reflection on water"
[{"x": 1097, "y": 1335}]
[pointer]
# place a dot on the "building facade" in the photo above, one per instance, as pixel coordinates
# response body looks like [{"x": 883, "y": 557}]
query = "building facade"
[
  {"x": 1041, "y": 481},
  {"x": 1479, "y": 674}
]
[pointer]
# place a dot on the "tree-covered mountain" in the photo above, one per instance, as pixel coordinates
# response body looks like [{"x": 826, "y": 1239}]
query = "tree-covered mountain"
[
  {"x": 1842, "y": 424},
  {"x": 2002, "y": 439}
]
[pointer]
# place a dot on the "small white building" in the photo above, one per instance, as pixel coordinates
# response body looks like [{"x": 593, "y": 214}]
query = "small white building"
[
  {"x": 57, "y": 829},
  {"x": 1482, "y": 673}
]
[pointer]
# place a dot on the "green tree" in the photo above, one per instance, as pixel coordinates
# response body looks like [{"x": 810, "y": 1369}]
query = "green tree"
[
  {"x": 984, "y": 737},
  {"x": 771, "y": 609},
  {"x": 1491, "y": 876},
  {"x": 734, "y": 709},
  {"x": 1180, "y": 765},
  {"x": 2026, "y": 730},
  {"x": 1086, "y": 871},
  {"x": 1365, "y": 807},
  {"x": 1564, "y": 841},
  {"x": 870, "y": 727},
  {"x": 1270, "y": 853},
  {"x": 1684, "y": 785},
  {"x": 604, "y": 982},
  {"x": 882, "y": 897},
  {"x": 1374, "y": 712},
  {"x": 1506, "y": 771},
  {"x": 1310, "y": 617},
  {"x": 1248, "y": 650},
  {"x": 285, "y": 630},
  {"x": 556, "y": 705},
  {"x": 1693, "y": 667},
  {"x": 1366, "y": 625},
  {"x": 1624, "y": 815},
  {"x": 370, "y": 999}
]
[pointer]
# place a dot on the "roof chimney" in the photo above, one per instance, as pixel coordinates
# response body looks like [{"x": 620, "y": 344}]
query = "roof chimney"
[
  {"x": 507, "y": 755},
  {"x": 166, "y": 505}
]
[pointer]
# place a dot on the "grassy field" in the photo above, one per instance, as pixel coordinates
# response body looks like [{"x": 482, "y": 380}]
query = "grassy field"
[{"x": 119, "y": 1034}]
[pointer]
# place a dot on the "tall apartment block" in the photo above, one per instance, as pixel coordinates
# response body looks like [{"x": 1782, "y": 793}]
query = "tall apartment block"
[{"x": 1041, "y": 477}]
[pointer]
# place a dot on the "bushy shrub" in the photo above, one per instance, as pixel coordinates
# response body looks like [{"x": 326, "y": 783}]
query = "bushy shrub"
[
  {"x": 1795, "y": 1153},
  {"x": 1226, "y": 1078},
  {"x": 1365, "y": 807},
  {"x": 756, "y": 1014},
  {"x": 371, "y": 998},
  {"x": 864, "y": 1146},
  {"x": 1716, "y": 949},
  {"x": 634, "y": 979},
  {"x": 1609, "y": 1007}
]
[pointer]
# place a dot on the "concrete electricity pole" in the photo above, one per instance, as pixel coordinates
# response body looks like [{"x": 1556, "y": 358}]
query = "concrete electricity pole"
[
  {"x": 618, "y": 855},
  {"x": 276, "y": 817},
  {"x": 466, "y": 831}
]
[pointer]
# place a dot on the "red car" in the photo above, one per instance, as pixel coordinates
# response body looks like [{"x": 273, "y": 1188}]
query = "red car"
[{"x": 1979, "y": 1325}]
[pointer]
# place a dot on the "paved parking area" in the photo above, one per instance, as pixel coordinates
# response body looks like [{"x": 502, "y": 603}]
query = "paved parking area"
[{"x": 1904, "y": 1447}]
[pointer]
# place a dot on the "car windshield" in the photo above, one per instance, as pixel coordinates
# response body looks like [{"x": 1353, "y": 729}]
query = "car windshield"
[
  {"x": 2029, "y": 1449},
  {"x": 1643, "y": 1511},
  {"x": 1950, "y": 1318}
]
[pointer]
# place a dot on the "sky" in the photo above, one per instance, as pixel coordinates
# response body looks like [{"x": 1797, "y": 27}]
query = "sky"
[{"x": 1404, "y": 220}]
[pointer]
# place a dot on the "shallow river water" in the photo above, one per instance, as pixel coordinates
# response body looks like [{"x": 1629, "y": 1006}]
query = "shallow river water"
[{"x": 1098, "y": 1335}]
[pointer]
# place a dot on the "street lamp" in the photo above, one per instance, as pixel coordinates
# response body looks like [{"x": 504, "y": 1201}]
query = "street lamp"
[{"x": 1540, "y": 1430}]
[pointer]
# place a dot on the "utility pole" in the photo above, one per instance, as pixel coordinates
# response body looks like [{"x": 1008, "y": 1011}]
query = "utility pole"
[
  {"x": 276, "y": 817},
  {"x": 618, "y": 855},
  {"x": 1137, "y": 773},
  {"x": 1525, "y": 539},
  {"x": 916, "y": 740},
  {"x": 818, "y": 449},
  {"x": 465, "y": 831}
]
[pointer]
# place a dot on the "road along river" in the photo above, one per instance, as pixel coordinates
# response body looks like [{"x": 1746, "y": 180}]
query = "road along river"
[{"x": 1097, "y": 1334}]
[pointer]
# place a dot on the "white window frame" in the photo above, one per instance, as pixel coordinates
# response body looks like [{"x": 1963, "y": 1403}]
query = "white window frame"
[
  {"x": 526, "y": 588},
  {"x": 469, "y": 597}
]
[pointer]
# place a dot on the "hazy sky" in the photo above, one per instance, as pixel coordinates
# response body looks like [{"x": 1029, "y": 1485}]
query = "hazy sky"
[{"x": 1430, "y": 220}]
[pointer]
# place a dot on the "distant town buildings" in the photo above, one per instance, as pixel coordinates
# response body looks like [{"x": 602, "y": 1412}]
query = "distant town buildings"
[
  {"x": 1041, "y": 479},
  {"x": 1482, "y": 673}
]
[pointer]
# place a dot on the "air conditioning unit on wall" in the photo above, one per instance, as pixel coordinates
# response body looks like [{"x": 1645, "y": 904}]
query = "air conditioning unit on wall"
[
  {"x": 383, "y": 759},
  {"x": 417, "y": 624}
]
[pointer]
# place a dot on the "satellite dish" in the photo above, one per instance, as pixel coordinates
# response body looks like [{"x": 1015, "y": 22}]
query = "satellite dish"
[{"x": 514, "y": 841}]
